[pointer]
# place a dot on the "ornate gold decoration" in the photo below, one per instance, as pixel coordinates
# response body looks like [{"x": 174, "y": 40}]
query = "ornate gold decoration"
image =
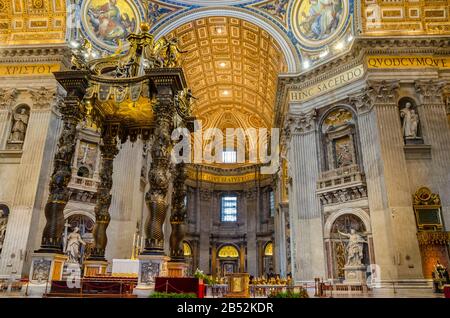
[
  {"x": 228, "y": 251},
  {"x": 427, "y": 207},
  {"x": 32, "y": 22},
  {"x": 268, "y": 249},
  {"x": 408, "y": 62},
  {"x": 433, "y": 238},
  {"x": 221, "y": 178},
  {"x": 424, "y": 196},
  {"x": 232, "y": 67},
  {"x": 103, "y": 88},
  {"x": 187, "y": 251},
  {"x": 338, "y": 118},
  {"x": 28, "y": 69},
  {"x": 380, "y": 17}
]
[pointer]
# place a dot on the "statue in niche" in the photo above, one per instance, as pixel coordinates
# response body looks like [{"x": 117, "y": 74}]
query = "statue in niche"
[
  {"x": 410, "y": 121},
  {"x": 354, "y": 249},
  {"x": 20, "y": 123},
  {"x": 73, "y": 246},
  {"x": 3, "y": 223}
]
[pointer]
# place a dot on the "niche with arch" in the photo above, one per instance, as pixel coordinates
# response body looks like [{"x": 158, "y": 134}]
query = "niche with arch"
[
  {"x": 410, "y": 121},
  {"x": 4, "y": 215},
  {"x": 19, "y": 125},
  {"x": 339, "y": 140},
  {"x": 336, "y": 243}
]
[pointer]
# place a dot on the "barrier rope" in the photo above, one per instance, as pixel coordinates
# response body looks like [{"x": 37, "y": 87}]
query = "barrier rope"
[{"x": 167, "y": 284}]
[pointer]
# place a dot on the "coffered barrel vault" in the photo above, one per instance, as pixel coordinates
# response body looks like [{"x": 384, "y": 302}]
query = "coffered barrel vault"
[{"x": 232, "y": 67}]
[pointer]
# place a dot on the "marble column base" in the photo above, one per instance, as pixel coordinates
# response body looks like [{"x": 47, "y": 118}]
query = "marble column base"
[
  {"x": 355, "y": 275},
  {"x": 94, "y": 268},
  {"x": 150, "y": 267},
  {"x": 45, "y": 268},
  {"x": 177, "y": 269}
]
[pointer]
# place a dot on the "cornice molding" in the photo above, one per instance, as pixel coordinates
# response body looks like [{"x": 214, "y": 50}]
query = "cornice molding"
[
  {"x": 362, "y": 47},
  {"x": 30, "y": 54}
]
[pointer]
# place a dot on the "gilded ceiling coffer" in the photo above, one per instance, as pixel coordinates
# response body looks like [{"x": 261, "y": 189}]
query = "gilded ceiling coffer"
[
  {"x": 127, "y": 95},
  {"x": 72, "y": 111},
  {"x": 109, "y": 150},
  {"x": 178, "y": 217}
]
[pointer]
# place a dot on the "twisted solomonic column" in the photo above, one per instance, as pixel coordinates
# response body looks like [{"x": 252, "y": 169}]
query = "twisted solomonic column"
[
  {"x": 72, "y": 113},
  {"x": 108, "y": 151},
  {"x": 159, "y": 175},
  {"x": 178, "y": 217}
]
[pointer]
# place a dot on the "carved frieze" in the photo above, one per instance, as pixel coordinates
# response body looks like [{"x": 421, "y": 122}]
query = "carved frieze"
[{"x": 341, "y": 185}]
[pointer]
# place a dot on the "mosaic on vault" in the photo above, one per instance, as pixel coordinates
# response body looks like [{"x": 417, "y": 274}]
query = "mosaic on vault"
[
  {"x": 109, "y": 22},
  {"x": 316, "y": 22}
]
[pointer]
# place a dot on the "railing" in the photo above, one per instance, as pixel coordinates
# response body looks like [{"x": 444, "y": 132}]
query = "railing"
[
  {"x": 89, "y": 287},
  {"x": 11, "y": 286},
  {"x": 256, "y": 291},
  {"x": 86, "y": 184},
  {"x": 328, "y": 289},
  {"x": 339, "y": 177}
]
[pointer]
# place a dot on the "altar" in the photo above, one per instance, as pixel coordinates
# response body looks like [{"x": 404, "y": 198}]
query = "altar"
[{"x": 125, "y": 267}]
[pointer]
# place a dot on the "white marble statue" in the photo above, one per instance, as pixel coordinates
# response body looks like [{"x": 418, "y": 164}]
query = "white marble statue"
[
  {"x": 73, "y": 246},
  {"x": 410, "y": 121},
  {"x": 20, "y": 125},
  {"x": 3, "y": 222},
  {"x": 354, "y": 249}
]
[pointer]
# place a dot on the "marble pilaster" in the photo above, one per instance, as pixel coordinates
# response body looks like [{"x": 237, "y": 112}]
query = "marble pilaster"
[
  {"x": 392, "y": 217},
  {"x": 308, "y": 259},
  {"x": 432, "y": 111}
]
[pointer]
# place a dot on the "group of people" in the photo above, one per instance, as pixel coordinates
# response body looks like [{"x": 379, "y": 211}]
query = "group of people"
[{"x": 440, "y": 277}]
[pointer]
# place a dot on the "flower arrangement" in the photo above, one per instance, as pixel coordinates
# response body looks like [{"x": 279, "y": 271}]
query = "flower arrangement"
[
  {"x": 207, "y": 280},
  {"x": 289, "y": 294}
]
